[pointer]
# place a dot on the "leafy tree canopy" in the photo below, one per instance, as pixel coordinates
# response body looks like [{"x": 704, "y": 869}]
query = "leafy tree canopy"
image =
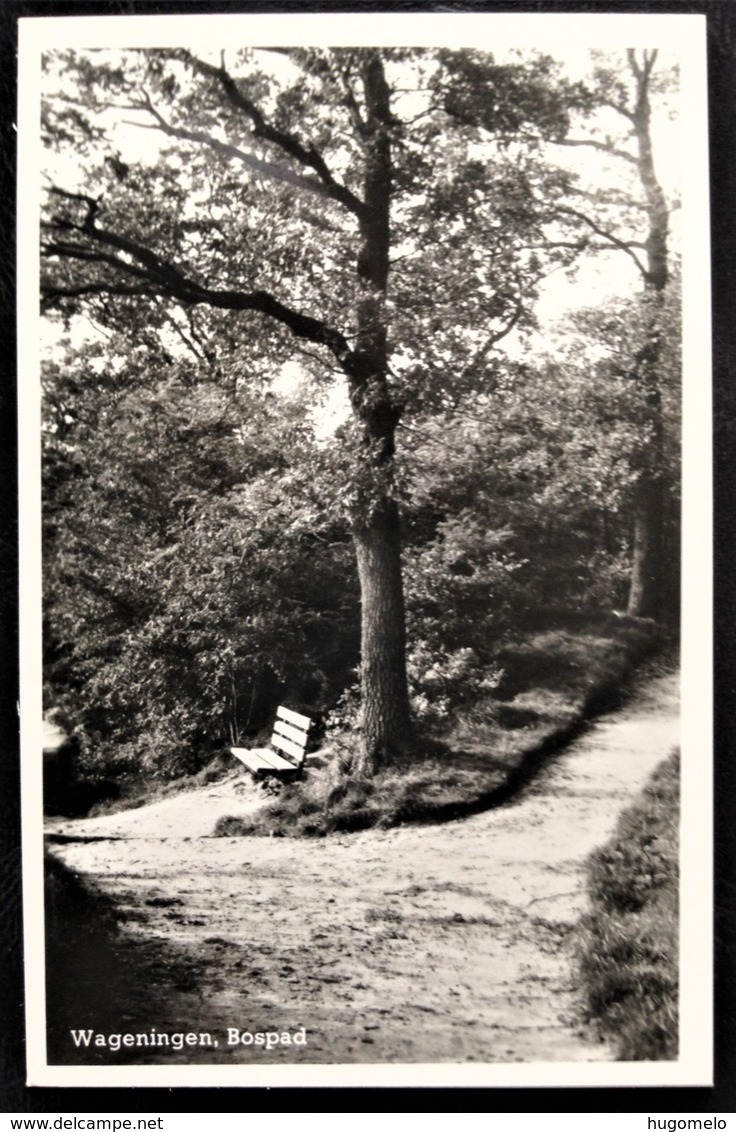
[{"x": 381, "y": 219}]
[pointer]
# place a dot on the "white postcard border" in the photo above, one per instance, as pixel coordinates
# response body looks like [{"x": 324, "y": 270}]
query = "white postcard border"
[{"x": 681, "y": 33}]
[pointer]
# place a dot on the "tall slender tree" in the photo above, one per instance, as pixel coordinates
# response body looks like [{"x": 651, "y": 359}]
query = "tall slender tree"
[
  {"x": 639, "y": 227},
  {"x": 648, "y": 561}
]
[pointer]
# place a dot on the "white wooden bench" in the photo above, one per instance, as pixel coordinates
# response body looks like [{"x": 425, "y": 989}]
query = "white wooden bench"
[{"x": 290, "y": 736}]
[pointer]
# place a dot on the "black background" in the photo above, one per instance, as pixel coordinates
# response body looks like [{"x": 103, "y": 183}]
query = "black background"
[{"x": 15, "y": 1096}]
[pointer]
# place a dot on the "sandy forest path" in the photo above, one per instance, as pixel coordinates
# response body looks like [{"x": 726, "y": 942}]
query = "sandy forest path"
[{"x": 416, "y": 944}]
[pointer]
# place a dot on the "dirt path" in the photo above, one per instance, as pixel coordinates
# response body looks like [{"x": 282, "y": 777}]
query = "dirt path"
[{"x": 416, "y": 944}]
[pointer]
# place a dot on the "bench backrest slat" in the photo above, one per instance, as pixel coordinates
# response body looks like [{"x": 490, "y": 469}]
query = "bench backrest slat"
[
  {"x": 290, "y": 732},
  {"x": 293, "y": 717},
  {"x": 296, "y": 750}
]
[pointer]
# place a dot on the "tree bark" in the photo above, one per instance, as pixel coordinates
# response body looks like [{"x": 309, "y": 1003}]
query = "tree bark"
[
  {"x": 648, "y": 567},
  {"x": 385, "y": 716},
  {"x": 647, "y": 564},
  {"x": 386, "y": 726}
]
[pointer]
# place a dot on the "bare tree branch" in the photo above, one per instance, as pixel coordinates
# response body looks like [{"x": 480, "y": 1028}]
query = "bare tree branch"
[
  {"x": 492, "y": 340},
  {"x": 623, "y": 245},
  {"x": 618, "y": 107},
  {"x": 633, "y": 64},
  {"x": 359, "y": 123},
  {"x": 305, "y": 352},
  {"x": 307, "y": 156},
  {"x": 604, "y": 147},
  {"x": 611, "y": 199},
  {"x": 207, "y": 351},
  {"x": 64, "y": 250},
  {"x": 165, "y": 278},
  {"x": 51, "y": 294},
  {"x": 267, "y": 169},
  {"x": 642, "y": 72},
  {"x": 194, "y": 347}
]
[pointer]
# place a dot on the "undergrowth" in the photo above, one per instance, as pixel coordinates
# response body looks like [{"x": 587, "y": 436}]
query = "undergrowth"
[
  {"x": 629, "y": 942},
  {"x": 138, "y": 791},
  {"x": 553, "y": 681}
]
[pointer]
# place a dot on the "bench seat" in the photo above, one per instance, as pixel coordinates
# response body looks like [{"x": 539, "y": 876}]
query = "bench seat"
[
  {"x": 285, "y": 757},
  {"x": 261, "y": 759}
]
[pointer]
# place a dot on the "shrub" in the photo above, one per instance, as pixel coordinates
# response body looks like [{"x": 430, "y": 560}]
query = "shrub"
[{"x": 629, "y": 942}]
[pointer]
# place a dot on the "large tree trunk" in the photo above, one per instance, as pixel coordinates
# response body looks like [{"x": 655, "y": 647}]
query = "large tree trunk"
[
  {"x": 376, "y": 526},
  {"x": 648, "y": 570},
  {"x": 385, "y": 717}
]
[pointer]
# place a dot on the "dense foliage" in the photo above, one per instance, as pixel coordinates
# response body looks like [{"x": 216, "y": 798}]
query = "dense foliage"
[
  {"x": 201, "y": 502},
  {"x": 190, "y": 576}
]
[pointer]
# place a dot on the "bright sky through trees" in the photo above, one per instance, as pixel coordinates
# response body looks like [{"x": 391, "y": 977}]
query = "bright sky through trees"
[{"x": 592, "y": 280}]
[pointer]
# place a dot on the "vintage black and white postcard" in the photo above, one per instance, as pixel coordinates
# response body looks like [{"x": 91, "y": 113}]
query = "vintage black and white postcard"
[{"x": 366, "y": 605}]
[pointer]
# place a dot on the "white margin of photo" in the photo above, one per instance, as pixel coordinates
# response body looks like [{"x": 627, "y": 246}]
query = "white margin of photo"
[{"x": 683, "y": 34}]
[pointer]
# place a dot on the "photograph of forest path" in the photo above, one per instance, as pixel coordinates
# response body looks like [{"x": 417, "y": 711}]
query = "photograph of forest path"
[
  {"x": 361, "y": 434},
  {"x": 424, "y": 943}
]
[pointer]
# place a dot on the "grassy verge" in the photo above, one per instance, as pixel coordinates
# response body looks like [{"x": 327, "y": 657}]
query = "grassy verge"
[
  {"x": 629, "y": 942},
  {"x": 553, "y": 680}
]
